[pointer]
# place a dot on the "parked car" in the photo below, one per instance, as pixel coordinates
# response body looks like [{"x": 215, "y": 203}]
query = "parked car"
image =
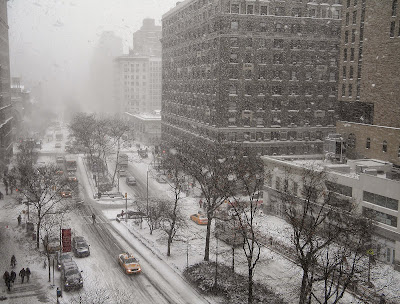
[
  {"x": 162, "y": 179},
  {"x": 130, "y": 181},
  {"x": 65, "y": 193},
  {"x": 80, "y": 247},
  {"x": 71, "y": 277},
  {"x": 58, "y": 145},
  {"x": 199, "y": 218},
  {"x": 60, "y": 160},
  {"x": 130, "y": 215},
  {"x": 68, "y": 264},
  {"x": 129, "y": 263},
  {"x": 62, "y": 257},
  {"x": 122, "y": 172},
  {"x": 52, "y": 244}
]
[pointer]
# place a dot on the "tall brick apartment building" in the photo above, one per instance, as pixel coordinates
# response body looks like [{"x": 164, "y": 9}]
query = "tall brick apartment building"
[
  {"x": 5, "y": 95},
  {"x": 369, "y": 82},
  {"x": 261, "y": 73}
]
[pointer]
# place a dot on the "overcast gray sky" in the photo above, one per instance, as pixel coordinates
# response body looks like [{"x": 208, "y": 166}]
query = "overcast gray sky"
[{"x": 51, "y": 41}]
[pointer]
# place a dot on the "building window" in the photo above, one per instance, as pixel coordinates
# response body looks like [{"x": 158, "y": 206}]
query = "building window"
[
  {"x": 384, "y": 146},
  {"x": 296, "y": 28},
  {"x": 347, "y": 18},
  {"x": 234, "y": 25},
  {"x": 276, "y": 90},
  {"x": 350, "y": 90},
  {"x": 312, "y": 13},
  {"x": 263, "y": 27},
  {"x": 278, "y": 43},
  {"x": 296, "y": 12},
  {"x": 343, "y": 90},
  {"x": 380, "y": 217},
  {"x": 355, "y": 3},
  {"x": 336, "y": 14},
  {"x": 278, "y": 59},
  {"x": 368, "y": 143},
  {"x": 332, "y": 77},
  {"x": 398, "y": 152},
  {"x": 354, "y": 17},
  {"x": 351, "y": 72},
  {"x": 338, "y": 188},
  {"x": 348, "y": 3},
  {"x": 264, "y": 10},
  {"x": 353, "y": 35},
  {"x": 392, "y": 27},
  {"x": 279, "y": 11},
  {"x": 346, "y": 36},
  {"x": 234, "y": 8},
  {"x": 394, "y": 8},
  {"x": 381, "y": 200},
  {"x": 352, "y": 54},
  {"x": 234, "y": 42},
  {"x": 279, "y": 27},
  {"x": 344, "y": 72},
  {"x": 250, "y": 9},
  {"x": 344, "y": 54},
  {"x": 234, "y": 58}
]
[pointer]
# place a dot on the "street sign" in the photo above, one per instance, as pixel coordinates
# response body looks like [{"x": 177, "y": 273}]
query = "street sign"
[{"x": 66, "y": 240}]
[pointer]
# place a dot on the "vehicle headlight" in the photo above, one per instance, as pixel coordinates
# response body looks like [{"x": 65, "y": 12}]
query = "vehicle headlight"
[{"x": 66, "y": 283}]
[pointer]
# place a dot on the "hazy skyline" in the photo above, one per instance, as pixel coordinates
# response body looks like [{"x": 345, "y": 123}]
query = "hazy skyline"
[{"x": 52, "y": 41}]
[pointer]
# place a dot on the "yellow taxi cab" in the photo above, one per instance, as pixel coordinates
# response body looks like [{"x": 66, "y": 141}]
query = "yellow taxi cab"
[
  {"x": 129, "y": 263},
  {"x": 199, "y": 219}
]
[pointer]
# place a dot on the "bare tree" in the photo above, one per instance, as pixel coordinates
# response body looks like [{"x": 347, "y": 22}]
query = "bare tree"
[
  {"x": 154, "y": 210},
  {"x": 330, "y": 240},
  {"x": 41, "y": 187},
  {"x": 82, "y": 128},
  {"x": 245, "y": 205},
  {"x": 211, "y": 166},
  {"x": 172, "y": 216}
]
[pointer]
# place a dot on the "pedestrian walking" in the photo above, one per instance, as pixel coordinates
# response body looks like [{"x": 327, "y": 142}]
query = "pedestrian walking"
[
  {"x": 200, "y": 203},
  {"x": 13, "y": 261},
  {"x": 1, "y": 195},
  {"x": 94, "y": 218},
  {"x": 5, "y": 184},
  {"x": 22, "y": 275},
  {"x": 27, "y": 273},
  {"x": 7, "y": 280},
  {"x": 19, "y": 218},
  {"x": 13, "y": 275}
]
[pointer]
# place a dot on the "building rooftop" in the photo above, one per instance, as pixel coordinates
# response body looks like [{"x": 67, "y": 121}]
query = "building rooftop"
[
  {"x": 146, "y": 116},
  {"x": 353, "y": 168}
]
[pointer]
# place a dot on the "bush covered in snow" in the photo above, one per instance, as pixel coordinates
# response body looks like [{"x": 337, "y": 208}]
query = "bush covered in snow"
[{"x": 232, "y": 286}]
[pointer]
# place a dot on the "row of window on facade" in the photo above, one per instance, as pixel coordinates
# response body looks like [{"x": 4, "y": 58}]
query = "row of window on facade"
[
  {"x": 280, "y": 27},
  {"x": 351, "y": 72},
  {"x": 251, "y": 90},
  {"x": 352, "y": 54},
  {"x": 350, "y": 90},
  {"x": 313, "y": 12},
  {"x": 351, "y": 143}
]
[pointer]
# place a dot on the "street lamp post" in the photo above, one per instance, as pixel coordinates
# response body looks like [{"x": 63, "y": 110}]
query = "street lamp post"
[
  {"x": 147, "y": 195},
  {"x": 126, "y": 207}
]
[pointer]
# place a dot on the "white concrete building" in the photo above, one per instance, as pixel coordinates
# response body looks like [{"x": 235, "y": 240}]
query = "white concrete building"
[
  {"x": 137, "y": 83},
  {"x": 366, "y": 183},
  {"x": 147, "y": 127}
]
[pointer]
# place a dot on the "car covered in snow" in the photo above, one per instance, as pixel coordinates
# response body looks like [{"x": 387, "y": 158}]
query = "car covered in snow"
[
  {"x": 129, "y": 263},
  {"x": 199, "y": 218},
  {"x": 80, "y": 247},
  {"x": 62, "y": 257},
  {"x": 71, "y": 277},
  {"x": 52, "y": 244},
  {"x": 130, "y": 181}
]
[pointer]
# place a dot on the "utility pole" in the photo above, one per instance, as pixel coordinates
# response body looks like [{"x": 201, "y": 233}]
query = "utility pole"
[{"x": 126, "y": 207}]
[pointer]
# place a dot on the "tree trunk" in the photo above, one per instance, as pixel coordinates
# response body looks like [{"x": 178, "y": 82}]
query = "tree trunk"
[
  {"x": 37, "y": 234},
  {"x": 208, "y": 234},
  {"x": 250, "y": 278},
  {"x": 304, "y": 289},
  {"x": 48, "y": 263}
]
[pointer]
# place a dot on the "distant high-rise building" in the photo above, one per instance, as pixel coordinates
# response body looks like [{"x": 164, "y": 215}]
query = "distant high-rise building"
[
  {"x": 259, "y": 73},
  {"x": 146, "y": 41},
  {"x": 101, "y": 76},
  {"x": 6, "y": 149},
  {"x": 369, "y": 82},
  {"x": 137, "y": 83}
]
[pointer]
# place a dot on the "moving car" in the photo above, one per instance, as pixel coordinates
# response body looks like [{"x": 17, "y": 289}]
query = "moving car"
[
  {"x": 162, "y": 179},
  {"x": 122, "y": 172},
  {"x": 199, "y": 219},
  {"x": 62, "y": 257},
  {"x": 130, "y": 181},
  {"x": 66, "y": 193},
  {"x": 80, "y": 247},
  {"x": 71, "y": 277},
  {"x": 129, "y": 263}
]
